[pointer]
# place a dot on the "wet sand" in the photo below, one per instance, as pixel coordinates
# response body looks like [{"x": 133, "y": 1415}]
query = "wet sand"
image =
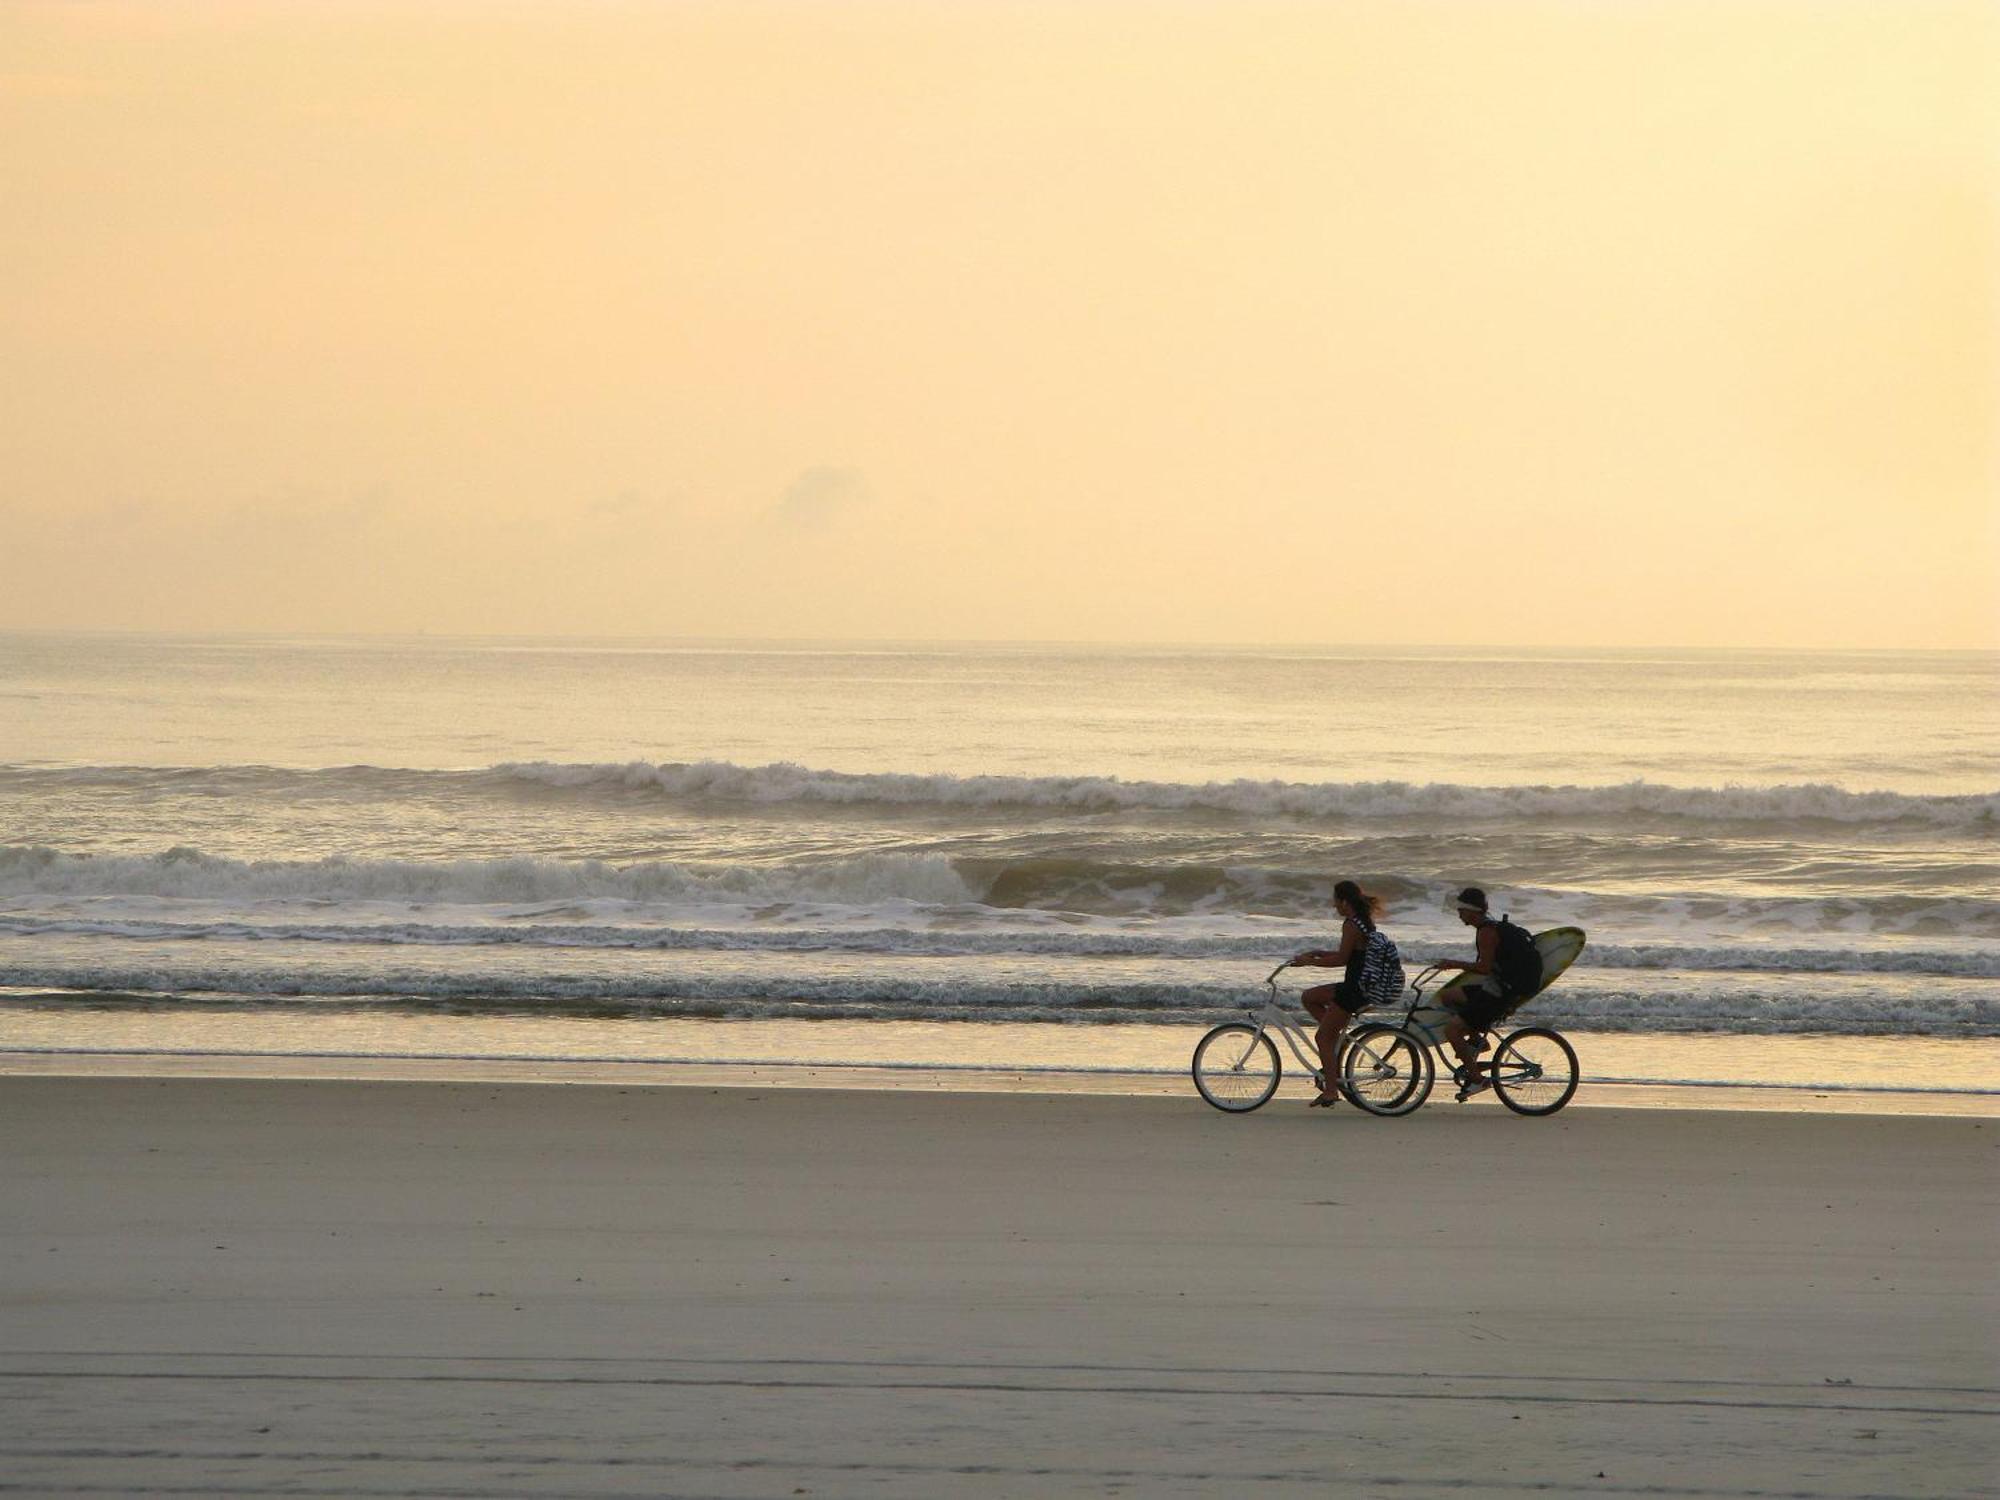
[{"x": 319, "y": 1287}]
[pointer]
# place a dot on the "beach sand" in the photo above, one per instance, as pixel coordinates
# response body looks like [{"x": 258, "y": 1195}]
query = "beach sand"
[{"x": 253, "y": 1287}]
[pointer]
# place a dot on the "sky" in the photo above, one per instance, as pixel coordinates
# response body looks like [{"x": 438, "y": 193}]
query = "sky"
[{"x": 1567, "y": 322}]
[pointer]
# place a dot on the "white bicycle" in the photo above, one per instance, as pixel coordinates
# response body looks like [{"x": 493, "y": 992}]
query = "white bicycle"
[{"x": 1237, "y": 1067}]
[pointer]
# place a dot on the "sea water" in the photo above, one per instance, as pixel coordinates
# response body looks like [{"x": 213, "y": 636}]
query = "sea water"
[{"x": 1048, "y": 857}]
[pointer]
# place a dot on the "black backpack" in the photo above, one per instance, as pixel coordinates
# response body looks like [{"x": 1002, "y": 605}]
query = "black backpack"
[{"x": 1517, "y": 964}]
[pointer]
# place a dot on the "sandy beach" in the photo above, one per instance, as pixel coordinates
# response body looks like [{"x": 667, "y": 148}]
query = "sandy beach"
[{"x": 259, "y": 1287}]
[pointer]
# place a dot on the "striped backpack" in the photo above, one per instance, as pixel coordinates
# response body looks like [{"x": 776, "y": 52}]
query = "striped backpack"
[{"x": 1381, "y": 970}]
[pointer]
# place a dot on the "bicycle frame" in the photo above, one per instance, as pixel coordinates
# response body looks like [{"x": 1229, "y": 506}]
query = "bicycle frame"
[
  {"x": 1274, "y": 1016},
  {"x": 1428, "y": 1031}
]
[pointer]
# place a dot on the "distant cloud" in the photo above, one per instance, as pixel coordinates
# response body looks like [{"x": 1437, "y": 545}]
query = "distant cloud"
[
  {"x": 631, "y": 504},
  {"x": 116, "y": 517},
  {"x": 288, "y": 514},
  {"x": 54, "y": 86},
  {"x": 818, "y": 495},
  {"x": 305, "y": 510}
]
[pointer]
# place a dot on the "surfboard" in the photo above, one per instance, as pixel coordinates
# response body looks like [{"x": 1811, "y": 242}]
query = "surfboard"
[{"x": 1559, "y": 947}]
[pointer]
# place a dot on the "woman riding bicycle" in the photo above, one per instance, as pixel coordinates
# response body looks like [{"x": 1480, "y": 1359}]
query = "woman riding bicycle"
[{"x": 1334, "y": 1005}]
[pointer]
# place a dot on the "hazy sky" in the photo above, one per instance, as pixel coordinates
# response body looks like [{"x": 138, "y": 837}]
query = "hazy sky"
[{"x": 1599, "y": 321}]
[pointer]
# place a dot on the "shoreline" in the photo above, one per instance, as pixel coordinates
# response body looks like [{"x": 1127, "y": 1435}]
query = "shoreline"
[{"x": 936, "y": 1078}]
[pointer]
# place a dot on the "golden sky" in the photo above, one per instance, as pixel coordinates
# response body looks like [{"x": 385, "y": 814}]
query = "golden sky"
[{"x": 1561, "y": 321}]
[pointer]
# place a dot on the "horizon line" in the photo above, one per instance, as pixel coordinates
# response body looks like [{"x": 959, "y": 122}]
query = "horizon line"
[{"x": 960, "y": 642}]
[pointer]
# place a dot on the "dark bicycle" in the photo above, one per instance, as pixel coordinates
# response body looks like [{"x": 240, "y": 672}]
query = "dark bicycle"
[{"x": 1389, "y": 1067}]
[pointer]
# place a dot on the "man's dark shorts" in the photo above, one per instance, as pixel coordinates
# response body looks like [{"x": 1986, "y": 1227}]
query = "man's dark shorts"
[{"x": 1483, "y": 1005}]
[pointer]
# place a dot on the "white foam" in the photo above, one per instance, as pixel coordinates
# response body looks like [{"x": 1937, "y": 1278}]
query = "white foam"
[
  {"x": 1167, "y": 940},
  {"x": 1821, "y": 1004},
  {"x": 184, "y": 872}
]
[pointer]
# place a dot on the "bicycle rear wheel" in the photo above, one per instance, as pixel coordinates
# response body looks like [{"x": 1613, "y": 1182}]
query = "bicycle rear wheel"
[
  {"x": 1236, "y": 1068},
  {"x": 1534, "y": 1071},
  {"x": 1386, "y": 1071}
]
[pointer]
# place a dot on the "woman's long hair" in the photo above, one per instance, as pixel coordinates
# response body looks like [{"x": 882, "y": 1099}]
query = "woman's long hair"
[{"x": 1364, "y": 906}]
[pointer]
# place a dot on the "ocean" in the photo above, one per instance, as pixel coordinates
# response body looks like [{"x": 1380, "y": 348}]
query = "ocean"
[{"x": 1056, "y": 859}]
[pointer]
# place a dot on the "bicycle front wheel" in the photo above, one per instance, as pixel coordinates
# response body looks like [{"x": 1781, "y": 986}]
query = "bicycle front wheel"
[
  {"x": 1534, "y": 1071},
  {"x": 1386, "y": 1071},
  {"x": 1236, "y": 1067}
]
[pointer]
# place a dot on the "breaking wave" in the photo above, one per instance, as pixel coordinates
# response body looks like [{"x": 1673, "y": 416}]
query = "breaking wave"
[
  {"x": 721, "y": 781},
  {"x": 1806, "y": 908},
  {"x": 783, "y": 783}
]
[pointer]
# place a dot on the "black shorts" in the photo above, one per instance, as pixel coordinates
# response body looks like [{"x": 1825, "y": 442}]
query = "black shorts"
[
  {"x": 1483, "y": 1005},
  {"x": 1347, "y": 995}
]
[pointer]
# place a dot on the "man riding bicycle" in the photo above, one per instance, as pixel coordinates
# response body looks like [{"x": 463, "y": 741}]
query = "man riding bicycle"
[{"x": 1508, "y": 970}]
